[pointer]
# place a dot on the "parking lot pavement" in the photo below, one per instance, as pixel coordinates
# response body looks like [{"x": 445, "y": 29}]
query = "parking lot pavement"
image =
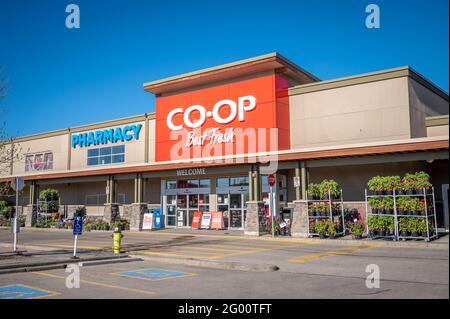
[
  {"x": 155, "y": 280},
  {"x": 308, "y": 269}
]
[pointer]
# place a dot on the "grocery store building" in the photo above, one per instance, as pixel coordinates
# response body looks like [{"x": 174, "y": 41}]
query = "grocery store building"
[{"x": 217, "y": 133}]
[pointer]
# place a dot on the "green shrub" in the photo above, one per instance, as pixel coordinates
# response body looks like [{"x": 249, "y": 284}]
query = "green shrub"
[
  {"x": 313, "y": 190},
  {"x": 49, "y": 200},
  {"x": 321, "y": 227}
]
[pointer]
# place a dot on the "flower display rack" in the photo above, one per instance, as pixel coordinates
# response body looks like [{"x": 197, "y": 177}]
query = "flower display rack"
[
  {"x": 413, "y": 214},
  {"x": 334, "y": 213}
]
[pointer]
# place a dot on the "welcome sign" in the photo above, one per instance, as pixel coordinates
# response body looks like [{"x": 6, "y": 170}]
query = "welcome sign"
[{"x": 111, "y": 135}]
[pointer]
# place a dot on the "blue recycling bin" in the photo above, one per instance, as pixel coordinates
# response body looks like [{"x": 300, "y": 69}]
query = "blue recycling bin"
[{"x": 158, "y": 218}]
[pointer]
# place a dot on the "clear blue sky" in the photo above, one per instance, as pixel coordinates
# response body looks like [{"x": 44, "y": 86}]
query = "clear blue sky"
[{"x": 61, "y": 77}]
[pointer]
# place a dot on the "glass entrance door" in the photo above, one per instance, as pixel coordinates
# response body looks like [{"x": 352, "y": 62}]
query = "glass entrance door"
[
  {"x": 171, "y": 211},
  {"x": 187, "y": 205},
  {"x": 237, "y": 210},
  {"x": 182, "y": 201}
]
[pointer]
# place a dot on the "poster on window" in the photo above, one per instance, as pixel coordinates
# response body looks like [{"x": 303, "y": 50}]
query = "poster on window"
[
  {"x": 38, "y": 162},
  {"x": 28, "y": 163},
  {"x": 48, "y": 161}
]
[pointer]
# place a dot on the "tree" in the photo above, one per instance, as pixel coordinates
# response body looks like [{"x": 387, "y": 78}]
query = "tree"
[{"x": 8, "y": 154}]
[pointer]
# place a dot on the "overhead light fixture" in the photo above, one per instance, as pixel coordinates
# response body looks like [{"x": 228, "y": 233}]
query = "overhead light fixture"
[{"x": 429, "y": 161}]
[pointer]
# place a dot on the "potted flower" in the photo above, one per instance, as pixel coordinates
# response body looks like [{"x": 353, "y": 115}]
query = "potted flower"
[
  {"x": 402, "y": 204},
  {"x": 392, "y": 183},
  {"x": 422, "y": 227},
  {"x": 331, "y": 229},
  {"x": 387, "y": 204},
  {"x": 390, "y": 226},
  {"x": 312, "y": 226},
  {"x": 413, "y": 227},
  {"x": 375, "y": 204},
  {"x": 313, "y": 191},
  {"x": 422, "y": 181},
  {"x": 357, "y": 230},
  {"x": 381, "y": 226},
  {"x": 321, "y": 228},
  {"x": 375, "y": 185},
  {"x": 372, "y": 225},
  {"x": 403, "y": 227},
  {"x": 329, "y": 187}
]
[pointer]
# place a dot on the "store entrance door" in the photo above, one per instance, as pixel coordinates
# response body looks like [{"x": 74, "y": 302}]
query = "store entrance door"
[
  {"x": 187, "y": 205},
  {"x": 235, "y": 205}
]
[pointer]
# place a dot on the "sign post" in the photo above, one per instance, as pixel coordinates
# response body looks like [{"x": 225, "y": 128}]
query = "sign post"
[
  {"x": 77, "y": 230},
  {"x": 17, "y": 184},
  {"x": 271, "y": 180}
]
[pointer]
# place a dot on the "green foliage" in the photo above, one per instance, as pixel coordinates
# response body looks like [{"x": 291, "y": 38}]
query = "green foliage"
[
  {"x": 313, "y": 190},
  {"x": 331, "y": 227},
  {"x": 321, "y": 227},
  {"x": 403, "y": 224},
  {"x": 374, "y": 202},
  {"x": 417, "y": 180},
  {"x": 387, "y": 203},
  {"x": 375, "y": 184},
  {"x": 49, "y": 200},
  {"x": 357, "y": 228},
  {"x": 4, "y": 208},
  {"x": 329, "y": 186}
]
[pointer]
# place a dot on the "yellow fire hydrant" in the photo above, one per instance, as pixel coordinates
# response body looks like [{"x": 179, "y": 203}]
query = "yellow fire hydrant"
[{"x": 117, "y": 238}]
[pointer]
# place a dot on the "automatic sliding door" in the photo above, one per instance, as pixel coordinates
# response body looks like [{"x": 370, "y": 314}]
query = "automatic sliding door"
[{"x": 236, "y": 211}]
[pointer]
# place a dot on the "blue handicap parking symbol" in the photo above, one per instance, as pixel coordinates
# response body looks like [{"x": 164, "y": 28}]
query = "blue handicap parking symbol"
[
  {"x": 78, "y": 226},
  {"x": 23, "y": 292},
  {"x": 154, "y": 274}
]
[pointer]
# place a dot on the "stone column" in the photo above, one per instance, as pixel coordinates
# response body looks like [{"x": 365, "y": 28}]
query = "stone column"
[
  {"x": 31, "y": 212},
  {"x": 137, "y": 215},
  {"x": 31, "y": 209},
  {"x": 299, "y": 226},
  {"x": 255, "y": 221},
  {"x": 111, "y": 212}
]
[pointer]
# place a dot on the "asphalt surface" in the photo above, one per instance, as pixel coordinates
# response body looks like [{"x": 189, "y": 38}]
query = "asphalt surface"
[{"x": 307, "y": 269}]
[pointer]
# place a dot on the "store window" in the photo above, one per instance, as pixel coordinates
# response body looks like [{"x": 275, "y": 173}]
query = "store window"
[
  {"x": 106, "y": 155},
  {"x": 223, "y": 182},
  {"x": 171, "y": 184},
  {"x": 204, "y": 183},
  {"x": 239, "y": 181},
  {"x": 39, "y": 162}
]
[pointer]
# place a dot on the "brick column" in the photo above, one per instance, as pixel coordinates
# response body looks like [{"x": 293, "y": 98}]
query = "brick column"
[
  {"x": 255, "y": 221},
  {"x": 299, "y": 226},
  {"x": 137, "y": 215},
  {"x": 31, "y": 212},
  {"x": 111, "y": 212}
]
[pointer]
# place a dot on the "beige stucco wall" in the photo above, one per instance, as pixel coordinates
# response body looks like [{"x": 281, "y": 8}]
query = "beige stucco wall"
[
  {"x": 440, "y": 130},
  {"x": 55, "y": 144},
  {"x": 134, "y": 149},
  {"x": 366, "y": 112},
  {"x": 424, "y": 103}
]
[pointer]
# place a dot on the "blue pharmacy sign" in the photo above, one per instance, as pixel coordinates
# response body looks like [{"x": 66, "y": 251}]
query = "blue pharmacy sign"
[
  {"x": 102, "y": 137},
  {"x": 77, "y": 226}
]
